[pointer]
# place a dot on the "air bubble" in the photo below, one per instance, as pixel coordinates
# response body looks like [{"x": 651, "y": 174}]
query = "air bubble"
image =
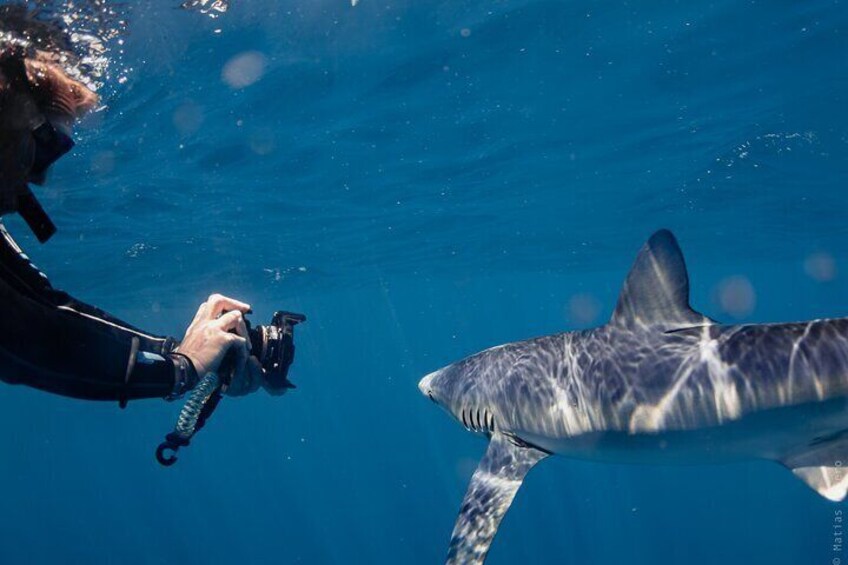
[
  {"x": 583, "y": 309},
  {"x": 736, "y": 296},
  {"x": 244, "y": 69},
  {"x": 820, "y": 267}
]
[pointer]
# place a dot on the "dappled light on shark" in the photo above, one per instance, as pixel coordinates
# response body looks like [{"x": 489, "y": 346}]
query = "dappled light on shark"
[{"x": 660, "y": 383}]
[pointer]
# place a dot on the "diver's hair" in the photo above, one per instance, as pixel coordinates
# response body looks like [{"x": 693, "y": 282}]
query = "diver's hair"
[
  {"x": 36, "y": 34},
  {"x": 35, "y": 30},
  {"x": 75, "y": 35}
]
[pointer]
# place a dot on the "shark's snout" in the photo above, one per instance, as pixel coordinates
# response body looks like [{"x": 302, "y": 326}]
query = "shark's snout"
[{"x": 426, "y": 386}]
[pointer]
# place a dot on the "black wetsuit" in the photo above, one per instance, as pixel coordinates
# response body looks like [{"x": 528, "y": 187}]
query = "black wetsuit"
[{"x": 50, "y": 341}]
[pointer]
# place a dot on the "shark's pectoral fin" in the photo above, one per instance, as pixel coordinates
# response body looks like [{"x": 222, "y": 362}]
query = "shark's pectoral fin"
[
  {"x": 824, "y": 468},
  {"x": 493, "y": 486}
]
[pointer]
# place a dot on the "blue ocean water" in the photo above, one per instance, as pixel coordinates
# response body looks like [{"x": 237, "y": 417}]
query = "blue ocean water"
[{"x": 424, "y": 180}]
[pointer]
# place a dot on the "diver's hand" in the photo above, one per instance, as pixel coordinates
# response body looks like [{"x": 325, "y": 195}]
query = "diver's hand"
[{"x": 210, "y": 336}]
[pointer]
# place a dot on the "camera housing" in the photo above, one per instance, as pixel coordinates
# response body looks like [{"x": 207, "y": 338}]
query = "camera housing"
[{"x": 273, "y": 345}]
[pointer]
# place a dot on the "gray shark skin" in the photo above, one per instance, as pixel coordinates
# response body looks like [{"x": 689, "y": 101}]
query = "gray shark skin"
[{"x": 660, "y": 383}]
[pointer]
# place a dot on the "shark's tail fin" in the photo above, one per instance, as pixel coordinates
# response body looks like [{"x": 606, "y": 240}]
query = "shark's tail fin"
[{"x": 823, "y": 467}]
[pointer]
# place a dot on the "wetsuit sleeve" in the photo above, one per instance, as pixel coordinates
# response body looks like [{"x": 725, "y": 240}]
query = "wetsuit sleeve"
[{"x": 50, "y": 341}]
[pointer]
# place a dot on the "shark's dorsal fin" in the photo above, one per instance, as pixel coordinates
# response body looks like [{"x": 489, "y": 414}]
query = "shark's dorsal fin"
[
  {"x": 492, "y": 488},
  {"x": 656, "y": 292}
]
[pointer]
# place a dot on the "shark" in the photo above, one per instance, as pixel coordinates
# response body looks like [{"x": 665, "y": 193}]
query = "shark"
[{"x": 659, "y": 383}]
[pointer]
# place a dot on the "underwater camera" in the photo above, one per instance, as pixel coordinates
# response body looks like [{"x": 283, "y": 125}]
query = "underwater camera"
[{"x": 273, "y": 345}]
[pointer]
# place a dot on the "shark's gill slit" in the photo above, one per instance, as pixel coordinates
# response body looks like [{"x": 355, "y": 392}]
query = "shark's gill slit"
[
  {"x": 462, "y": 413},
  {"x": 479, "y": 426}
]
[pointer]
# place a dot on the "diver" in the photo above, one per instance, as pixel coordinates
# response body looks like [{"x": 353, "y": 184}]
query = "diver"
[{"x": 53, "y": 342}]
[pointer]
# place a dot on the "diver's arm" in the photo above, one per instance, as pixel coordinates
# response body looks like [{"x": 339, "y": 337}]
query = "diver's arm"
[
  {"x": 53, "y": 342},
  {"x": 62, "y": 350}
]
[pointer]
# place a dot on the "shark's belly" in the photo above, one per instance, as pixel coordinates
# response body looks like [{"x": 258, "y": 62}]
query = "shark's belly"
[{"x": 768, "y": 434}]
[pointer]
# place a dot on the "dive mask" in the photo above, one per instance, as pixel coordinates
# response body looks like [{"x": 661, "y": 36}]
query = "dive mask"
[{"x": 50, "y": 143}]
